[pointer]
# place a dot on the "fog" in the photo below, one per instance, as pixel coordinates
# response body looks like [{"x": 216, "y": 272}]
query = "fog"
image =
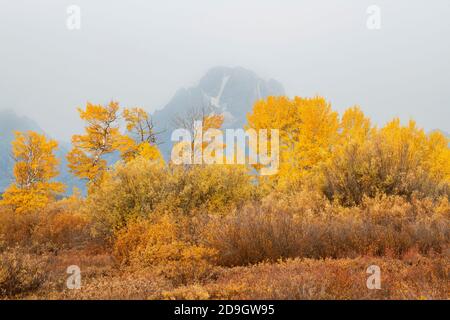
[{"x": 140, "y": 52}]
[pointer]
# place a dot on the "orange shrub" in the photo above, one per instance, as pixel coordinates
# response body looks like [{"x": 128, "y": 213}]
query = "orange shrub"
[
  {"x": 57, "y": 227},
  {"x": 17, "y": 229},
  {"x": 273, "y": 230},
  {"x": 20, "y": 272},
  {"x": 142, "y": 188},
  {"x": 395, "y": 160},
  {"x": 157, "y": 244},
  {"x": 306, "y": 279}
]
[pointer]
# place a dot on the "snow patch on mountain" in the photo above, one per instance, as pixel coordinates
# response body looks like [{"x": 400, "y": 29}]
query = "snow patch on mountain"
[{"x": 215, "y": 101}]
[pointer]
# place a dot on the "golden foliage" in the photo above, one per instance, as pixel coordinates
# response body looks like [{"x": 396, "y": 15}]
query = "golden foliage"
[
  {"x": 197, "y": 147},
  {"x": 292, "y": 227},
  {"x": 413, "y": 277},
  {"x": 20, "y": 272},
  {"x": 142, "y": 142},
  {"x": 60, "y": 226},
  {"x": 308, "y": 130},
  {"x": 394, "y": 160},
  {"x": 144, "y": 188},
  {"x": 347, "y": 195},
  {"x": 159, "y": 244},
  {"x": 35, "y": 167},
  {"x": 101, "y": 137},
  {"x": 349, "y": 156},
  {"x": 355, "y": 126}
]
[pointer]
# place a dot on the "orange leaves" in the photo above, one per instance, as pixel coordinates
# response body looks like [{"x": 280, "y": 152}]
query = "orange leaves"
[{"x": 159, "y": 244}]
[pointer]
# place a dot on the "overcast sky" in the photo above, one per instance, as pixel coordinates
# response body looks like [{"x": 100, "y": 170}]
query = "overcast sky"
[{"x": 141, "y": 52}]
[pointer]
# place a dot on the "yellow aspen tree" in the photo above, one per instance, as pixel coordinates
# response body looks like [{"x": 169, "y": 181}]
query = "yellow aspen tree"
[
  {"x": 438, "y": 159},
  {"x": 409, "y": 147},
  {"x": 308, "y": 130},
  {"x": 394, "y": 160},
  {"x": 212, "y": 122},
  {"x": 141, "y": 140},
  {"x": 343, "y": 171},
  {"x": 35, "y": 168},
  {"x": 355, "y": 126},
  {"x": 356, "y": 132},
  {"x": 102, "y": 136},
  {"x": 198, "y": 124}
]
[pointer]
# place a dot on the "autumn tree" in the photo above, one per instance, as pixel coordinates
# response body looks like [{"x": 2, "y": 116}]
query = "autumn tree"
[
  {"x": 102, "y": 137},
  {"x": 355, "y": 126},
  {"x": 141, "y": 138},
  {"x": 198, "y": 121},
  {"x": 35, "y": 168},
  {"x": 88, "y": 158},
  {"x": 203, "y": 115},
  {"x": 394, "y": 160},
  {"x": 140, "y": 125},
  {"x": 308, "y": 129}
]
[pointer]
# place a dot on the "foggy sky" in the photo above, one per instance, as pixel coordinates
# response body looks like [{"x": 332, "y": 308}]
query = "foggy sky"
[{"x": 141, "y": 52}]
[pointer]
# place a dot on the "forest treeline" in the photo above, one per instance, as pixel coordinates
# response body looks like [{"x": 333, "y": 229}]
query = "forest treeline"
[{"x": 345, "y": 188}]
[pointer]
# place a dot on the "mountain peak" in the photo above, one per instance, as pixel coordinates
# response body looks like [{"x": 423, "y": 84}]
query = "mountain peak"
[
  {"x": 11, "y": 122},
  {"x": 220, "y": 80}
]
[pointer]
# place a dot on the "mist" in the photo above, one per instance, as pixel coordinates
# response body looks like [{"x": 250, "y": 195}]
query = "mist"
[{"x": 141, "y": 52}]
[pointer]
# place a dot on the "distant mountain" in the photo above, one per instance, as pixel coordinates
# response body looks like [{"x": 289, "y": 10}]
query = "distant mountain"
[
  {"x": 228, "y": 91},
  {"x": 11, "y": 122}
]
